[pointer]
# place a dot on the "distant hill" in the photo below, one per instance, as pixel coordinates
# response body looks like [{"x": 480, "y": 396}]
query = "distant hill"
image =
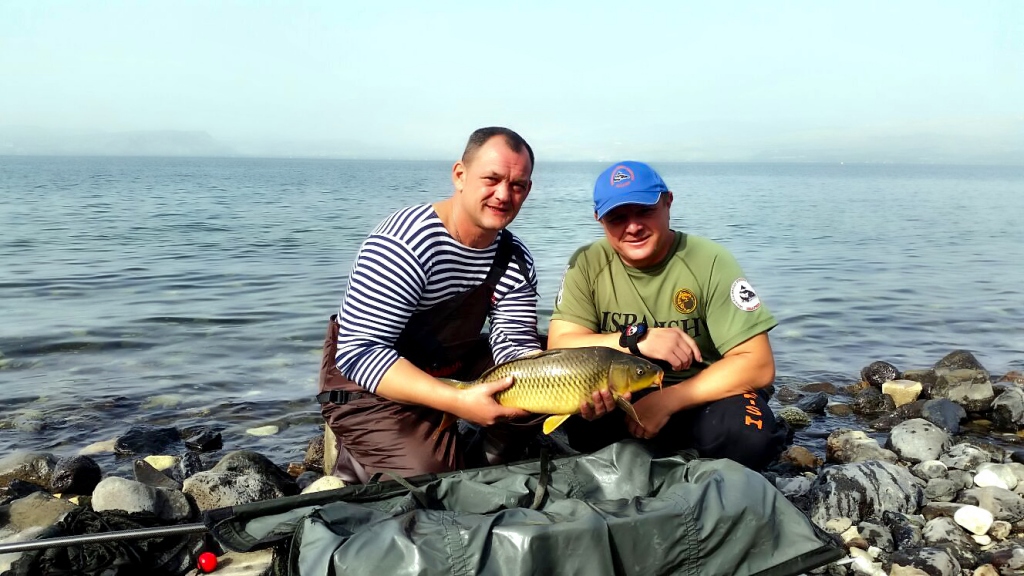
[{"x": 31, "y": 141}]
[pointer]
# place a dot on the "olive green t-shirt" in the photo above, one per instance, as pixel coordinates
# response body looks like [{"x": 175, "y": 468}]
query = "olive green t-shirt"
[{"x": 699, "y": 288}]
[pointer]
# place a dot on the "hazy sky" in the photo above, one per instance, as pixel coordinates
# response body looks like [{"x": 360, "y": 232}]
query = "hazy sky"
[{"x": 688, "y": 80}]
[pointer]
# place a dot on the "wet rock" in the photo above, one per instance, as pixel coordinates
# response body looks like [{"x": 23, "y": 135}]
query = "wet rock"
[
  {"x": 161, "y": 462},
  {"x": 147, "y": 440},
  {"x": 878, "y": 372},
  {"x": 203, "y": 439},
  {"x": 877, "y": 535},
  {"x": 941, "y": 490},
  {"x": 150, "y": 476},
  {"x": 814, "y": 404},
  {"x": 968, "y": 388},
  {"x": 33, "y": 467},
  {"x": 860, "y": 490},
  {"x": 963, "y": 478},
  {"x": 1008, "y": 410},
  {"x": 846, "y": 446},
  {"x": 944, "y": 530},
  {"x": 188, "y": 463},
  {"x": 245, "y": 461},
  {"x": 787, "y": 395},
  {"x": 871, "y": 402},
  {"x": 925, "y": 377},
  {"x": 933, "y": 510},
  {"x": 101, "y": 447},
  {"x": 839, "y": 409},
  {"x": 1007, "y": 557},
  {"x": 929, "y": 469},
  {"x": 30, "y": 421},
  {"x": 18, "y": 489},
  {"x": 964, "y": 456},
  {"x": 906, "y": 534},
  {"x": 918, "y": 440},
  {"x": 933, "y": 561},
  {"x": 75, "y": 475},
  {"x": 307, "y": 478},
  {"x": 814, "y": 387},
  {"x": 1000, "y": 529},
  {"x": 800, "y": 458},
  {"x": 794, "y": 416},
  {"x": 1014, "y": 377},
  {"x": 268, "y": 430},
  {"x": 958, "y": 360},
  {"x": 1017, "y": 456},
  {"x": 1003, "y": 504},
  {"x": 944, "y": 413},
  {"x": 314, "y": 459},
  {"x": 890, "y": 420},
  {"x": 114, "y": 493},
  {"x": 37, "y": 510},
  {"x": 902, "y": 391},
  {"x": 217, "y": 489},
  {"x": 296, "y": 469}
]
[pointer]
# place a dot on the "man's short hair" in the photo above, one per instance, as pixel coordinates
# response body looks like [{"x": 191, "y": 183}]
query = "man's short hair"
[{"x": 481, "y": 136}]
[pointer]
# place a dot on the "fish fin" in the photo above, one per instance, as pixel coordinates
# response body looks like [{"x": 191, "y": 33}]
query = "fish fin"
[
  {"x": 446, "y": 421},
  {"x": 625, "y": 405},
  {"x": 554, "y": 422}
]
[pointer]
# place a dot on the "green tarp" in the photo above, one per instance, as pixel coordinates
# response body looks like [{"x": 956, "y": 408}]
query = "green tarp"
[{"x": 617, "y": 511}]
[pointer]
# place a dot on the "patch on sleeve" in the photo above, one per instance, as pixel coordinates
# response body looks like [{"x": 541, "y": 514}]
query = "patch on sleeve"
[
  {"x": 743, "y": 295},
  {"x": 561, "y": 287}
]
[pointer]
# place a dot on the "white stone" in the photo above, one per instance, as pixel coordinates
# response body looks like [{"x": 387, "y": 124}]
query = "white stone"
[
  {"x": 325, "y": 483},
  {"x": 103, "y": 447},
  {"x": 849, "y": 534},
  {"x": 161, "y": 462},
  {"x": 989, "y": 478},
  {"x": 902, "y": 391},
  {"x": 838, "y": 525},
  {"x": 1004, "y": 472},
  {"x": 982, "y": 540},
  {"x": 974, "y": 519},
  {"x": 263, "y": 430}
]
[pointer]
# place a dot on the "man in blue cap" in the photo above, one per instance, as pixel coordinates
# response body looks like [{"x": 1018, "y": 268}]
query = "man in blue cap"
[{"x": 679, "y": 300}]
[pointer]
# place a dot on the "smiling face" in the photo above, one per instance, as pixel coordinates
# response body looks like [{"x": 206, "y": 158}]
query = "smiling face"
[
  {"x": 639, "y": 233},
  {"x": 490, "y": 188}
]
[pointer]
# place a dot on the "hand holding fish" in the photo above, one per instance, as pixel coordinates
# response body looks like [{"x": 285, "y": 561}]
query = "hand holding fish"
[
  {"x": 602, "y": 402},
  {"x": 477, "y": 403},
  {"x": 653, "y": 412},
  {"x": 672, "y": 345}
]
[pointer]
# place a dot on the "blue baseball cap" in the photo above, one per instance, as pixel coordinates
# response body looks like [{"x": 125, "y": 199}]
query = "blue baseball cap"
[{"x": 627, "y": 183}]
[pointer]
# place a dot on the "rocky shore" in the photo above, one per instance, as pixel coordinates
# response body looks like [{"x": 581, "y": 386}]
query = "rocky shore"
[{"x": 926, "y": 499}]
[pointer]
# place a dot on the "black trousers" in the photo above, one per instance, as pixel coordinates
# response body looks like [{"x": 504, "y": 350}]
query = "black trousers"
[{"x": 741, "y": 428}]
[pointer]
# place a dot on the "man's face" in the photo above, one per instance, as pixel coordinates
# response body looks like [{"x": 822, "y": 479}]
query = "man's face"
[
  {"x": 640, "y": 234},
  {"x": 492, "y": 185}
]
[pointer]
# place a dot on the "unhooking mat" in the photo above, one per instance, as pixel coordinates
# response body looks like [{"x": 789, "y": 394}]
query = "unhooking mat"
[{"x": 619, "y": 511}]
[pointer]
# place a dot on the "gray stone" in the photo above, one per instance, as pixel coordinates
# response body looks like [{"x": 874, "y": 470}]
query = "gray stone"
[
  {"x": 863, "y": 489},
  {"x": 114, "y": 493},
  {"x": 944, "y": 413},
  {"x": 34, "y": 467},
  {"x": 877, "y": 535},
  {"x": 958, "y": 360},
  {"x": 871, "y": 402},
  {"x": 941, "y": 490},
  {"x": 813, "y": 404},
  {"x": 918, "y": 440},
  {"x": 845, "y": 446},
  {"x": 968, "y": 388},
  {"x": 964, "y": 456},
  {"x": 1008, "y": 410},
  {"x": 929, "y": 469},
  {"x": 787, "y": 395},
  {"x": 794, "y": 416},
  {"x": 1003, "y": 504},
  {"x": 38, "y": 510},
  {"x": 216, "y": 489},
  {"x": 934, "y": 561}
]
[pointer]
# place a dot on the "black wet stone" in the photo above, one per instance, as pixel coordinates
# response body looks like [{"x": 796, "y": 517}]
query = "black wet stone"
[
  {"x": 203, "y": 440},
  {"x": 1017, "y": 456},
  {"x": 147, "y": 440},
  {"x": 814, "y": 404},
  {"x": 17, "y": 490},
  {"x": 958, "y": 360},
  {"x": 878, "y": 372},
  {"x": 76, "y": 475},
  {"x": 871, "y": 401},
  {"x": 944, "y": 413},
  {"x": 307, "y": 478},
  {"x": 906, "y": 412},
  {"x": 150, "y": 476},
  {"x": 787, "y": 395},
  {"x": 188, "y": 464}
]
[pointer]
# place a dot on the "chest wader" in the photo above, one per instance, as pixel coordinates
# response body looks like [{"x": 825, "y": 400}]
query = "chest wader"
[{"x": 374, "y": 434}]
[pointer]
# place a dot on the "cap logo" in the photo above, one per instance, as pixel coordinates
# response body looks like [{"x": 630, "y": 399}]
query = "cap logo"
[{"x": 622, "y": 176}]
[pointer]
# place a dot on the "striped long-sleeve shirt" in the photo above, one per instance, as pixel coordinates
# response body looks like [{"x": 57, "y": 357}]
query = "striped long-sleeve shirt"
[{"x": 410, "y": 263}]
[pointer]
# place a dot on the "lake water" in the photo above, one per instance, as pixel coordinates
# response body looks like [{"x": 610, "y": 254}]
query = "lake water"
[{"x": 196, "y": 291}]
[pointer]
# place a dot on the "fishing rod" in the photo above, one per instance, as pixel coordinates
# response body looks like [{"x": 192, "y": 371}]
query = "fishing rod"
[{"x": 136, "y": 534}]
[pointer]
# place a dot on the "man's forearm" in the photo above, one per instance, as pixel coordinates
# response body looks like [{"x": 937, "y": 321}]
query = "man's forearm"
[
  {"x": 406, "y": 383},
  {"x": 580, "y": 340},
  {"x": 730, "y": 376}
]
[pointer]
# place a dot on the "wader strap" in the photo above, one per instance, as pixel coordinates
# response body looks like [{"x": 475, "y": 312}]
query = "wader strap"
[
  {"x": 542, "y": 481},
  {"x": 340, "y": 396}
]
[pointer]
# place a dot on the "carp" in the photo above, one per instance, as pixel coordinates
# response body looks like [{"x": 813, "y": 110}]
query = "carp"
[{"x": 557, "y": 381}]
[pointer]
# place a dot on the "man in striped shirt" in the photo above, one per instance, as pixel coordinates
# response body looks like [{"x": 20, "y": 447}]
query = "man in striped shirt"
[{"x": 421, "y": 289}]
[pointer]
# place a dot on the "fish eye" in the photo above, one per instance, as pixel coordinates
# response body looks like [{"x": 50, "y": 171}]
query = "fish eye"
[{"x": 640, "y": 371}]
